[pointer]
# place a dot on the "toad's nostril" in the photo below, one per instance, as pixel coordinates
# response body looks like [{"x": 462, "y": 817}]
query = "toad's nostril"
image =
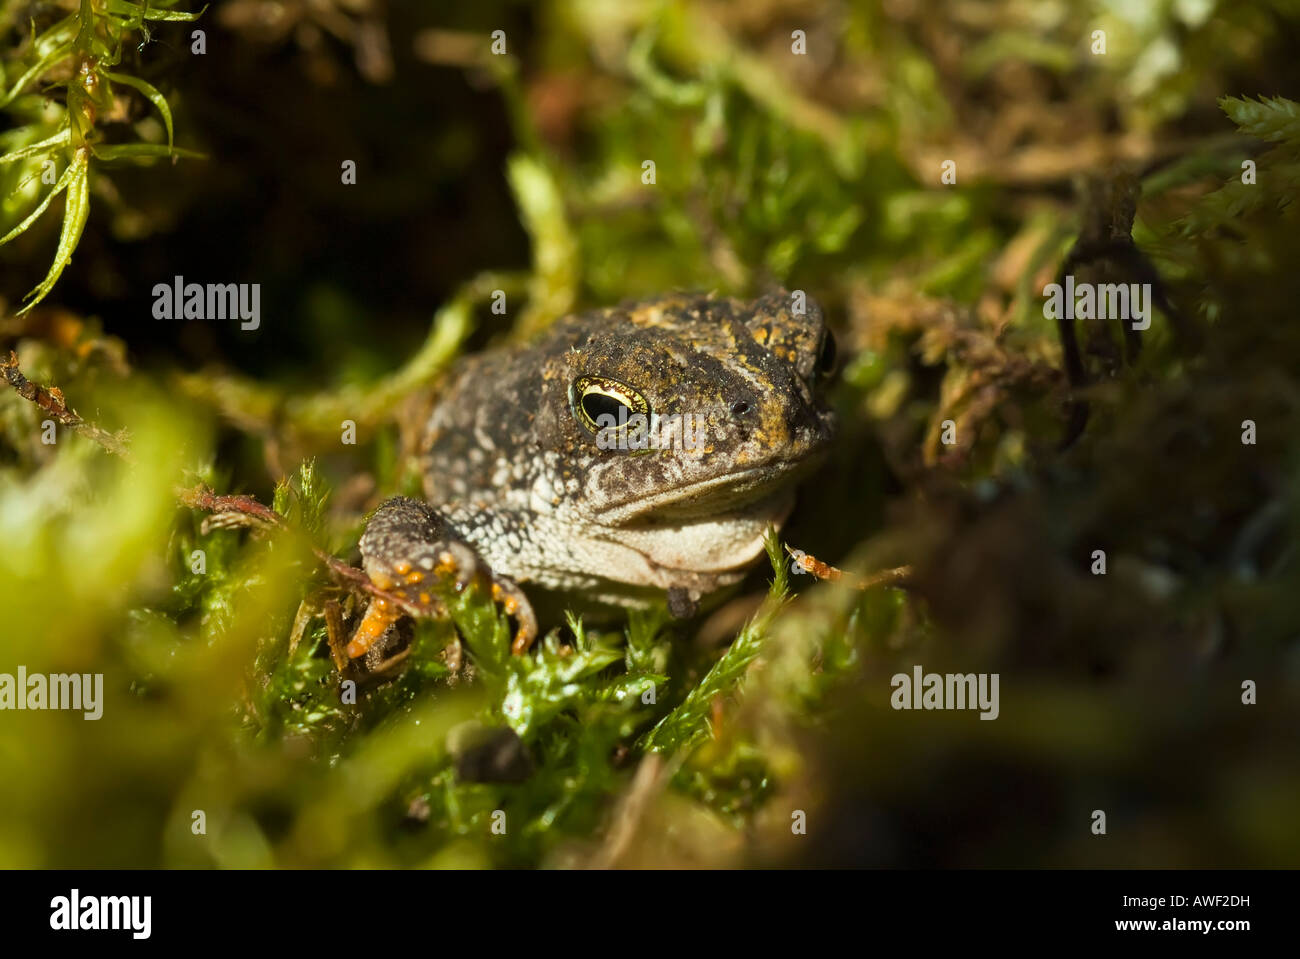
[{"x": 739, "y": 408}]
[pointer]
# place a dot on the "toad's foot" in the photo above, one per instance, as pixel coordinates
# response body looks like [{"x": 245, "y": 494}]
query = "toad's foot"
[{"x": 408, "y": 550}]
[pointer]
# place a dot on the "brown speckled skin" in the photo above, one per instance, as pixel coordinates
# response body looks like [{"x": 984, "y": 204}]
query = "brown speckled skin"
[{"x": 517, "y": 476}]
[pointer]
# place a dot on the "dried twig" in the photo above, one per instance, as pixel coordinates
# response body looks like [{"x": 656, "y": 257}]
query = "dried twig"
[
  {"x": 242, "y": 510},
  {"x": 51, "y": 401},
  {"x": 899, "y": 576},
  {"x": 651, "y": 778}
]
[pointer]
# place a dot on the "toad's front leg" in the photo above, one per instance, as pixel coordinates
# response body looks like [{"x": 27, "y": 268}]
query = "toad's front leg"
[{"x": 409, "y": 550}]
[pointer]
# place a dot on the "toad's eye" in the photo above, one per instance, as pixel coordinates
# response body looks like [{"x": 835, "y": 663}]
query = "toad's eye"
[
  {"x": 601, "y": 403},
  {"x": 826, "y": 356}
]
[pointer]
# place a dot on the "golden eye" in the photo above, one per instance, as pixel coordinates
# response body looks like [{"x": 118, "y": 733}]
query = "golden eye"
[{"x": 601, "y": 403}]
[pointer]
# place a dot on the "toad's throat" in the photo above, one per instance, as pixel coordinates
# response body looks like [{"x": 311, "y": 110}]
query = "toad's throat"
[{"x": 678, "y": 549}]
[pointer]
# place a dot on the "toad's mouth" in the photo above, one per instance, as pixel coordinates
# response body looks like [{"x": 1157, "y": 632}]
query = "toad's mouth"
[{"x": 762, "y": 493}]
